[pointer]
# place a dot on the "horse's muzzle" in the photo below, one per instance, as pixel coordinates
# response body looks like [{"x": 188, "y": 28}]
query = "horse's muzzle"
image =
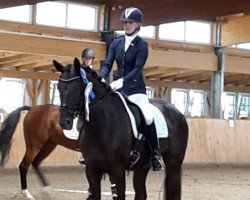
[{"x": 67, "y": 124}]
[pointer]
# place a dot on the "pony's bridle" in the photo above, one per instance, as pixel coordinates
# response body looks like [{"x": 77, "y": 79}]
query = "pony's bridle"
[{"x": 64, "y": 106}]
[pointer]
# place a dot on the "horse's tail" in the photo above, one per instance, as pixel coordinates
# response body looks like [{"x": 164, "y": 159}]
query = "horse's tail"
[{"x": 6, "y": 132}]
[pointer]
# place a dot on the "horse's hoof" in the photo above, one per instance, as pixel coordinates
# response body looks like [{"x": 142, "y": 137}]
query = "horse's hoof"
[{"x": 27, "y": 194}]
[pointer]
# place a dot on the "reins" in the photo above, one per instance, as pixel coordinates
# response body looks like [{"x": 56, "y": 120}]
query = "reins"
[
  {"x": 71, "y": 79},
  {"x": 100, "y": 100}
]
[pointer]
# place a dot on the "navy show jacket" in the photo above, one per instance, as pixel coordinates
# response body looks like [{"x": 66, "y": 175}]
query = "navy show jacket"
[{"x": 130, "y": 64}]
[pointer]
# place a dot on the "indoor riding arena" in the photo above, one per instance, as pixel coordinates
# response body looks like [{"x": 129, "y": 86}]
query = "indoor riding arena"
[{"x": 198, "y": 60}]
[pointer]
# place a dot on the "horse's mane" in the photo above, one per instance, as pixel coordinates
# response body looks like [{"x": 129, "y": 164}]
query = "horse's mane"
[{"x": 97, "y": 77}]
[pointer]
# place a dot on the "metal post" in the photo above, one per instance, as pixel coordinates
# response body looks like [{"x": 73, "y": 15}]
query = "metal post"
[
  {"x": 108, "y": 37},
  {"x": 217, "y": 81}
]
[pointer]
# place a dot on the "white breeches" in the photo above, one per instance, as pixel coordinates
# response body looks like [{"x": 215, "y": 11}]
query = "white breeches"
[{"x": 142, "y": 101}]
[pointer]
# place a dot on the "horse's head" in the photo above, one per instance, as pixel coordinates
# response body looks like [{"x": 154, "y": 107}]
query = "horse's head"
[
  {"x": 71, "y": 91},
  {"x": 77, "y": 86}
]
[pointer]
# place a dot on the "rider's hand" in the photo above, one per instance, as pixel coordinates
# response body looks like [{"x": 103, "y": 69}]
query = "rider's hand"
[{"x": 116, "y": 85}]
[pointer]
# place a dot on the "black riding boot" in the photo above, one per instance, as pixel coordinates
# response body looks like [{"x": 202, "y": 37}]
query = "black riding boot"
[{"x": 151, "y": 137}]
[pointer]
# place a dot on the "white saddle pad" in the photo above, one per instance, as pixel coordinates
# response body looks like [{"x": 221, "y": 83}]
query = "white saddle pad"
[
  {"x": 72, "y": 134},
  {"x": 160, "y": 123}
]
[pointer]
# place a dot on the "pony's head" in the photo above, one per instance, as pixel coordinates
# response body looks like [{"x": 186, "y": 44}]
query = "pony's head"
[
  {"x": 71, "y": 91},
  {"x": 77, "y": 87}
]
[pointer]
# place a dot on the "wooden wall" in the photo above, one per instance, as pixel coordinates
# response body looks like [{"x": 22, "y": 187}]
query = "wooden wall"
[
  {"x": 210, "y": 141},
  {"x": 213, "y": 141}
]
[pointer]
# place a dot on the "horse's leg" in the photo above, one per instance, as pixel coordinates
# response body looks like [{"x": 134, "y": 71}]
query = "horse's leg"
[
  {"x": 43, "y": 153},
  {"x": 119, "y": 183},
  {"x": 24, "y": 167},
  {"x": 139, "y": 182},
  {"x": 94, "y": 178},
  {"x": 172, "y": 189}
]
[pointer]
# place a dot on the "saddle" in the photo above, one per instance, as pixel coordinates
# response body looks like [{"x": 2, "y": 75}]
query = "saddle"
[
  {"x": 138, "y": 121},
  {"x": 138, "y": 115}
]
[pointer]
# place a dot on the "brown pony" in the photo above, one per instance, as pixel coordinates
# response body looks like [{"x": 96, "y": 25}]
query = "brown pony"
[{"x": 42, "y": 134}]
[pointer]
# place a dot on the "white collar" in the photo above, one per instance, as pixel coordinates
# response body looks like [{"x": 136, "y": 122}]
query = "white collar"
[{"x": 130, "y": 38}]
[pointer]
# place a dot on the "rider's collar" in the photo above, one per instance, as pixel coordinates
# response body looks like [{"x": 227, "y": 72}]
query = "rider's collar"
[{"x": 129, "y": 38}]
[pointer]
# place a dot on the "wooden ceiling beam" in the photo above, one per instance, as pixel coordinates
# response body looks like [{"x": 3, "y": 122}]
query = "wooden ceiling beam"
[
  {"x": 178, "y": 46},
  {"x": 43, "y": 63},
  {"x": 172, "y": 74},
  {"x": 233, "y": 78},
  {"x": 6, "y": 53},
  {"x": 158, "y": 72},
  {"x": 13, "y": 56},
  {"x": 48, "y": 30},
  {"x": 202, "y": 77},
  {"x": 182, "y": 59},
  {"x": 195, "y": 86},
  {"x": 173, "y": 84},
  {"x": 152, "y": 71},
  {"x": 237, "y": 79},
  {"x": 21, "y": 59},
  {"x": 29, "y": 75},
  {"x": 51, "y": 46},
  {"x": 188, "y": 76},
  {"x": 236, "y": 31},
  {"x": 236, "y": 64}
]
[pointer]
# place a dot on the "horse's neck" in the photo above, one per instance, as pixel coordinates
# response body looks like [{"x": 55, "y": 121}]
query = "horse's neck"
[{"x": 106, "y": 110}]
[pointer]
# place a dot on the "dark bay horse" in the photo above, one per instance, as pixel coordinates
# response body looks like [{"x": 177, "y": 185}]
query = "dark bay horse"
[
  {"x": 108, "y": 139},
  {"x": 42, "y": 133}
]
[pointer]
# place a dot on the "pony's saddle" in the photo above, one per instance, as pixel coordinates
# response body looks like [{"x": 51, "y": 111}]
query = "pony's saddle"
[{"x": 137, "y": 119}]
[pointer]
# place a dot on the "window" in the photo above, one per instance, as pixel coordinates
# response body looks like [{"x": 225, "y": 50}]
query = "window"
[
  {"x": 180, "y": 99},
  {"x": 236, "y": 106},
  {"x": 198, "y": 32},
  {"x": 244, "y": 111},
  {"x": 147, "y": 32},
  {"x": 243, "y": 46},
  {"x": 150, "y": 92},
  {"x": 54, "y": 93},
  {"x": 51, "y": 13},
  {"x": 190, "y": 102},
  {"x": 12, "y": 91},
  {"x": 18, "y": 14},
  {"x": 81, "y": 17},
  {"x": 230, "y": 104},
  {"x": 190, "y": 31},
  {"x": 172, "y": 31},
  {"x": 67, "y": 15}
]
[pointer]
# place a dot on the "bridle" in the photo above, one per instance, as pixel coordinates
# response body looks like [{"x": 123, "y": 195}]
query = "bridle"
[
  {"x": 64, "y": 106},
  {"x": 78, "y": 111}
]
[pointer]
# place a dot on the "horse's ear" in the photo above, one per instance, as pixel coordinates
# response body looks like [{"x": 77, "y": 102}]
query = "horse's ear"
[
  {"x": 77, "y": 63},
  {"x": 59, "y": 67}
]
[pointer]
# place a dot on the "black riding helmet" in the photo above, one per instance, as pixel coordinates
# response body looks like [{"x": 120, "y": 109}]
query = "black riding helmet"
[
  {"x": 132, "y": 15},
  {"x": 88, "y": 52}
]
